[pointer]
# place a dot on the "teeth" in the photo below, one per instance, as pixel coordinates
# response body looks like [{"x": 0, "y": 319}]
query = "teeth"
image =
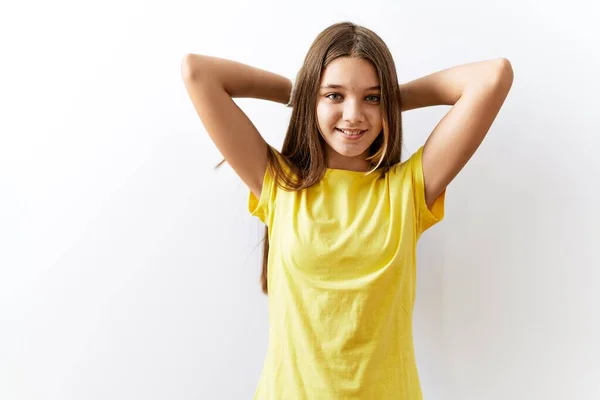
[{"x": 351, "y": 133}]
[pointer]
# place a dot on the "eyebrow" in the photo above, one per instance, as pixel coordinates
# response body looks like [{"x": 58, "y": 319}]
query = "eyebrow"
[{"x": 334, "y": 86}]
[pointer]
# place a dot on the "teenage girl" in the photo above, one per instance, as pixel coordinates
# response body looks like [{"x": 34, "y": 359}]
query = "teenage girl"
[{"x": 342, "y": 212}]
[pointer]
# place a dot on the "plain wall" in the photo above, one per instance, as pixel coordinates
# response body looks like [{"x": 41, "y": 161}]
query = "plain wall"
[{"x": 129, "y": 268}]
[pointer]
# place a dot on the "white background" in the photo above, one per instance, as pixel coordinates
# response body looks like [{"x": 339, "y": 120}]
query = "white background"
[{"x": 129, "y": 268}]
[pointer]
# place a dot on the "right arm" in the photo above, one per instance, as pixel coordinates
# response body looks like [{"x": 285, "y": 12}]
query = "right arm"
[{"x": 211, "y": 84}]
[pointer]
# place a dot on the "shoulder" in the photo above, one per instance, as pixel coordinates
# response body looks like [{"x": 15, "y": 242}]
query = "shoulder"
[{"x": 410, "y": 166}]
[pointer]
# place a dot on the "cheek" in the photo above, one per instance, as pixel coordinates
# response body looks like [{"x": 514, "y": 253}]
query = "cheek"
[
  {"x": 375, "y": 118},
  {"x": 326, "y": 117}
]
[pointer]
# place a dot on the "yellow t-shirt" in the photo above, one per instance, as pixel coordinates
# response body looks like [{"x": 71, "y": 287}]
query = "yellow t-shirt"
[{"x": 341, "y": 281}]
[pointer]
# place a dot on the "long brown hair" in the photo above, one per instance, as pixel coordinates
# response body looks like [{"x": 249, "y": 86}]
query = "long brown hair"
[{"x": 303, "y": 147}]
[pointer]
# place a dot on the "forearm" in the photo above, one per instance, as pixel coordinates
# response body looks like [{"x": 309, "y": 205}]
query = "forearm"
[
  {"x": 238, "y": 80},
  {"x": 445, "y": 87}
]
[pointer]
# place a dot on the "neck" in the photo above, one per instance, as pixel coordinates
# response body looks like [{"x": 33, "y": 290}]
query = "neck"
[{"x": 358, "y": 164}]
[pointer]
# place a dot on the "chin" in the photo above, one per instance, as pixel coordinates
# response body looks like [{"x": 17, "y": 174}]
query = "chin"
[{"x": 349, "y": 149}]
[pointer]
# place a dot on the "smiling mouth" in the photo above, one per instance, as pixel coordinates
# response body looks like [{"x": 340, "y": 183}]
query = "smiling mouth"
[{"x": 350, "y": 133}]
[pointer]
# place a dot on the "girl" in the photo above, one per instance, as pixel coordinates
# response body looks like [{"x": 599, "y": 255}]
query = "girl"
[{"x": 342, "y": 212}]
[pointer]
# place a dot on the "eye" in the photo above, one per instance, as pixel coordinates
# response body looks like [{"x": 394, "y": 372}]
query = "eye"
[
  {"x": 371, "y": 98},
  {"x": 332, "y": 94}
]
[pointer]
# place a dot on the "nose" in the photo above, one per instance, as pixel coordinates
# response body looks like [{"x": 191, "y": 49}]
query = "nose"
[{"x": 353, "y": 112}]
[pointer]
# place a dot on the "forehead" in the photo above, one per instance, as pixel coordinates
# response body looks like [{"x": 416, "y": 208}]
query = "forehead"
[{"x": 352, "y": 73}]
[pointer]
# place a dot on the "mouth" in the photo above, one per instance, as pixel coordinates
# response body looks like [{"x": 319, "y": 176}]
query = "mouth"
[{"x": 351, "y": 134}]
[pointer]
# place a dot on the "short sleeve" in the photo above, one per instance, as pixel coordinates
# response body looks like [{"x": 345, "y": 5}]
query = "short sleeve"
[
  {"x": 426, "y": 217},
  {"x": 261, "y": 207}
]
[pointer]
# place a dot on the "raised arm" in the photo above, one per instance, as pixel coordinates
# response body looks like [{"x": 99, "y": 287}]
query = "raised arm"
[
  {"x": 211, "y": 84},
  {"x": 477, "y": 92}
]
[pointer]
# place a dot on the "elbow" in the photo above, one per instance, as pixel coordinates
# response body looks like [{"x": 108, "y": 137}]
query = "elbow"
[
  {"x": 188, "y": 67},
  {"x": 191, "y": 67},
  {"x": 504, "y": 74}
]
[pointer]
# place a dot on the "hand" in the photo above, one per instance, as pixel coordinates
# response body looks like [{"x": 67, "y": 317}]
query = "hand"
[{"x": 290, "y": 102}]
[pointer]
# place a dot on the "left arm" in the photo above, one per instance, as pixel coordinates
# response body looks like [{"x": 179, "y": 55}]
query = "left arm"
[{"x": 477, "y": 92}]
